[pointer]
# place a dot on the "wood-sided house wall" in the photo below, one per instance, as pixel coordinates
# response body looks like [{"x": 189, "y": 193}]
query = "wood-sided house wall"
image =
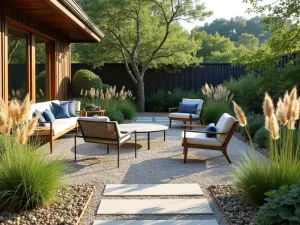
[{"x": 58, "y": 60}]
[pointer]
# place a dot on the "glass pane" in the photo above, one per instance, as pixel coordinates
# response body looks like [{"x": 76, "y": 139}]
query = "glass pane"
[
  {"x": 17, "y": 66},
  {"x": 41, "y": 70}
]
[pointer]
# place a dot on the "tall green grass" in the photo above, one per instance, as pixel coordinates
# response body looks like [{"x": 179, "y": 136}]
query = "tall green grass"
[{"x": 27, "y": 179}]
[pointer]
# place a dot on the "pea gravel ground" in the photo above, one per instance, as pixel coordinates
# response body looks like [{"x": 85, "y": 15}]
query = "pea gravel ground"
[{"x": 163, "y": 163}]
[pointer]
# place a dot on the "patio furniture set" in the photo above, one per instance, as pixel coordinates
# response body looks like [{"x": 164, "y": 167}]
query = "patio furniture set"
[{"x": 99, "y": 129}]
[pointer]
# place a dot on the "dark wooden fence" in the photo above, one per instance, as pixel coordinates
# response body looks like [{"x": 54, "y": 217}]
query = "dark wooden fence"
[{"x": 190, "y": 78}]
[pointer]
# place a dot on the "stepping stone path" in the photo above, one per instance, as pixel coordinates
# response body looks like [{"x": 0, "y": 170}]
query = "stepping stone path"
[
  {"x": 154, "y": 206},
  {"x": 148, "y": 119}
]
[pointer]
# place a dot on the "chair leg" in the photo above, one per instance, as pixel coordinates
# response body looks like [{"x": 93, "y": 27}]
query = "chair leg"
[
  {"x": 51, "y": 145},
  {"x": 185, "y": 152},
  {"x": 118, "y": 155},
  {"x": 135, "y": 144},
  {"x": 107, "y": 149},
  {"x": 170, "y": 123},
  {"x": 226, "y": 155},
  {"x": 190, "y": 123},
  {"x": 75, "y": 149}
]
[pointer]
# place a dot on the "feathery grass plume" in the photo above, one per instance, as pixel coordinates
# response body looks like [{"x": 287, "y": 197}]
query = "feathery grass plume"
[
  {"x": 97, "y": 93},
  {"x": 121, "y": 93},
  {"x": 268, "y": 106},
  {"x": 291, "y": 124},
  {"x": 8, "y": 126},
  {"x": 86, "y": 93},
  {"x": 13, "y": 93},
  {"x": 218, "y": 93},
  {"x": 281, "y": 112},
  {"x": 267, "y": 123},
  {"x": 293, "y": 95},
  {"x": 32, "y": 125},
  {"x": 18, "y": 134},
  {"x": 81, "y": 92},
  {"x": 3, "y": 106},
  {"x": 296, "y": 110},
  {"x": 102, "y": 96},
  {"x": 42, "y": 93},
  {"x": 117, "y": 95},
  {"x": 3, "y": 118},
  {"x": 240, "y": 114},
  {"x": 23, "y": 136},
  {"x": 286, "y": 99},
  {"x": 274, "y": 127},
  {"x": 18, "y": 94},
  {"x": 25, "y": 109}
]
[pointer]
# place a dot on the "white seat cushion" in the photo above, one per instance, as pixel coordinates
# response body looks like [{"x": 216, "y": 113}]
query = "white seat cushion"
[
  {"x": 182, "y": 115},
  {"x": 59, "y": 125},
  {"x": 194, "y": 101},
  {"x": 224, "y": 125},
  {"x": 200, "y": 139},
  {"x": 95, "y": 118}
]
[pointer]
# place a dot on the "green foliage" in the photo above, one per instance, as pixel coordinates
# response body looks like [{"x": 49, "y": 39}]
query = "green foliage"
[
  {"x": 230, "y": 55},
  {"x": 234, "y": 27},
  {"x": 41, "y": 81},
  {"x": 127, "y": 108},
  {"x": 160, "y": 101},
  {"x": 213, "y": 111},
  {"x": 157, "y": 102},
  {"x": 255, "y": 123},
  {"x": 246, "y": 92},
  {"x": 261, "y": 138},
  {"x": 114, "y": 115},
  {"x": 105, "y": 87},
  {"x": 282, "y": 207},
  {"x": 27, "y": 179},
  {"x": 85, "y": 79},
  {"x": 248, "y": 40}
]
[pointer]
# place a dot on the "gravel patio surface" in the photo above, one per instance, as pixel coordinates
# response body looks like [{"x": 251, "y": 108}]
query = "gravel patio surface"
[{"x": 163, "y": 163}]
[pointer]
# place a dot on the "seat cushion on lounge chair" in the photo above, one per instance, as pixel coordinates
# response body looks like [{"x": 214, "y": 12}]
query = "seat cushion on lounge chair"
[
  {"x": 58, "y": 126},
  {"x": 95, "y": 118},
  {"x": 183, "y": 115},
  {"x": 194, "y": 101},
  {"x": 224, "y": 125},
  {"x": 200, "y": 139}
]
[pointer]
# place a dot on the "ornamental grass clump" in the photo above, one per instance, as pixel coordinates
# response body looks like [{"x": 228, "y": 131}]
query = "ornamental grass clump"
[
  {"x": 27, "y": 179},
  {"x": 218, "y": 93},
  {"x": 255, "y": 176},
  {"x": 14, "y": 120}
]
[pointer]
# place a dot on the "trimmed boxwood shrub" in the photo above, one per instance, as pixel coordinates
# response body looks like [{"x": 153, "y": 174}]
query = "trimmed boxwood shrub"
[
  {"x": 85, "y": 79},
  {"x": 115, "y": 115},
  {"x": 282, "y": 207},
  {"x": 214, "y": 110}
]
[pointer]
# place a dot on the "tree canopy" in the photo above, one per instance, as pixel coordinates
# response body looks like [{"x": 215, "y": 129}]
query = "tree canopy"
[{"x": 142, "y": 34}]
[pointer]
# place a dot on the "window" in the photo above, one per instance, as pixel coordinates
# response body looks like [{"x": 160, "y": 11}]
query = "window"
[
  {"x": 17, "y": 63},
  {"x": 41, "y": 70}
]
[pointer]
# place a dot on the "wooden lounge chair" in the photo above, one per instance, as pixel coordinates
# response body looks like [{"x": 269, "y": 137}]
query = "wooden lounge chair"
[
  {"x": 101, "y": 130},
  {"x": 194, "y": 115},
  {"x": 197, "y": 139}
]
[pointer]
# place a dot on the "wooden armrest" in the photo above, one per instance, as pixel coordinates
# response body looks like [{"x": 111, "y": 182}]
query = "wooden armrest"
[
  {"x": 172, "y": 109},
  {"x": 205, "y": 132},
  {"x": 46, "y": 122}
]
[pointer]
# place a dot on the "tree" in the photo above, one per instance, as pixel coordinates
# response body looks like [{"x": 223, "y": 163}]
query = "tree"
[
  {"x": 236, "y": 26},
  {"x": 282, "y": 20},
  {"x": 142, "y": 34},
  {"x": 248, "y": 40},
  {"x": 211, "y": 43},
  {"x": 229, "y": 56}
]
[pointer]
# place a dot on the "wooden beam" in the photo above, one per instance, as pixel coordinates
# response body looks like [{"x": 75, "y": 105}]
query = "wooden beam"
[{"x": 31, "y": 73}]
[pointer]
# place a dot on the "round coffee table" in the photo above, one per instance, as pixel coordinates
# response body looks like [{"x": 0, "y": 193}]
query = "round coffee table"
[{"x": 144, "y": 128}]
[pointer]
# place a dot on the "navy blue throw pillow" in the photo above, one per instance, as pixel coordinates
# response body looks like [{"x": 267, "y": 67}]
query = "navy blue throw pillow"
[
  {"x": 186, "y": 108},
  {"x": 72, "y": 108},
  {"x": 211, "y": 127},
  {"x": 41, "y": 119},
  {"x": 61, "y": 110},
  {"x": 48, "y": 115}
]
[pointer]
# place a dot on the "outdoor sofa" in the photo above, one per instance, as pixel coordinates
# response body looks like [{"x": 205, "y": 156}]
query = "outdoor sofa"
[{"x": 59, "y": 127}]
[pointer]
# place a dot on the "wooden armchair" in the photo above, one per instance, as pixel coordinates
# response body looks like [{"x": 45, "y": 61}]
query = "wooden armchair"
[
  {"x": 197, "y": 139},
  {"x": 193, "y": 115},
  {"x": 101, "y": 130}
]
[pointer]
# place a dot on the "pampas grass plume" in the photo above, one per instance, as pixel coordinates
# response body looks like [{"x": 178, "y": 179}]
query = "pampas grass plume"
[
  {"x": 32, "y": 125},
  {"x": 24, "y": 110},
  {"x": 240, "y": 114},
  {"x": 281, "y": 112},
  {"x": 274, "y": 127},
  {"x": 268, "y": 106}
]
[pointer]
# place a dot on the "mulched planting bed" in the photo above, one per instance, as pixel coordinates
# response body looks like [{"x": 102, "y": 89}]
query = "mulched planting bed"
[
  {"x": 231, "y": 203},
  {"x": 68, "y": 208}
]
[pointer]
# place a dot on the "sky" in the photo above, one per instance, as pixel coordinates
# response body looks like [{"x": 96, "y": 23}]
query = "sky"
[{"x": 221, "y": 9}]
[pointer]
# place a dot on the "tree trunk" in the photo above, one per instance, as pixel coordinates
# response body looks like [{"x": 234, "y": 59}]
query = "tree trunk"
[{"x": 140, "y": 94}]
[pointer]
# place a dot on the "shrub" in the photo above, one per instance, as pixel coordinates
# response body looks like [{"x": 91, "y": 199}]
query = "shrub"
[
  {"x": 157, "y": 102},
  {"x": 255, "y": 176},
  {"x": 114, "y": 115},
  {"x": 255, "y": 122},
  {"x": 85, "y": 79},
  {"x": 127, "y": 108},
  {"x": 105, "y": 87},
  {"x": 245, "y": 91},
  {"x": 261, "y": 138},
  {"x": 27, "y": 179},
  {"x": 282, "y": 207},
  {"x": 214, "y": 110}
]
